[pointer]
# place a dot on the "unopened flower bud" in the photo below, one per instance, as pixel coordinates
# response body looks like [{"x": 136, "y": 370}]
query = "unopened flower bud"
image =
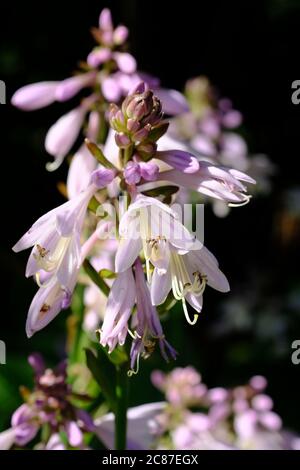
[
  {"x": 132, "y": 173},
  {"x": 120, "y": 35},
  {"x": 141, "y": 134},
  {"x": 116, "y": 118},
  {"x": 133, "y": 125},
  {"x": 122, "y": 140},
  {"x": 102, "y": 177}
]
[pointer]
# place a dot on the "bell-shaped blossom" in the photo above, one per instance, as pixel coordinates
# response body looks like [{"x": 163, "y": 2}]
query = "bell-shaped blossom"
[
  {"x": 41, "y": 94},
  {"x": 48, "y": 303},
  {"x": 187, "y": 275},
  {"x": 56, "y": 235},
  {"x": 148, "y": 329},
  {"x": 62, "y": 135},
  {"x": 150, "y": 225},
  {"x": 214, "y": 181},
  {"x": 48, "y": 404},
  {"x": 119, "y": 306},
  {"x": 180, "y": 160}
]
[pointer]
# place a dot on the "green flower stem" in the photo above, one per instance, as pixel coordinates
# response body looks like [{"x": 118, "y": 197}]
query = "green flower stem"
[
  {"x": 121, "y": 407},
  {"x": 95, "y": 277}
]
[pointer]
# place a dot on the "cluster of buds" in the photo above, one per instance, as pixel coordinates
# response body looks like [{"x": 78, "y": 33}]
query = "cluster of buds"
[
  {"x": 49, "y": 404},
  {"x": 110, "y": 41},
  {"x": 139, "y": 122}
]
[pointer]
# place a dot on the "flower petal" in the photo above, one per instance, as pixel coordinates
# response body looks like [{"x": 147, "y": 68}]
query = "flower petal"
[{"x": 161, "y": 284}]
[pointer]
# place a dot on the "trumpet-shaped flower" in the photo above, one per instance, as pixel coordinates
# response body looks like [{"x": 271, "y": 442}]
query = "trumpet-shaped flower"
[
  {"x": 187, "y": 276},
  {"x": 118, "y": 310},
  {"x": 148, "y": 329},
  {"x": 129, "y": 289},
  {"x": 56, "y": 236},
  {"x": 211, "y": 180},
  {"x": 150, "y": 225},
  {"x": 180, "y": 261},
  {"x": 63, "y": 133}
]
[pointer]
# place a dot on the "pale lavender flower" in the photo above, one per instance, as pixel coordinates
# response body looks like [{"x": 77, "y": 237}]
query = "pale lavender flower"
[
  {"x": 62, "y": 135},
  {"x": 129, "y": 289},
  {"x": 35, "y": 96},
  {"x": 48, "y": 302},
  {"x": 56, "y": 235},
  {"x": 48, "y": 403},
  {"x": 181, "y": 262},
  {"x": 153, "y": 226},
  {"x": 214, "y": 181},
  {"x": 120, "y": 302},
  {"x": 148, "y": 329},
  {"x": 71, "y": 86},
  {"x": 183, "y": 387}
]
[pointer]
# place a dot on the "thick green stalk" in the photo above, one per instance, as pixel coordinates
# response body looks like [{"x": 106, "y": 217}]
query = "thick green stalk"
[{"x": 121, "y": 407}]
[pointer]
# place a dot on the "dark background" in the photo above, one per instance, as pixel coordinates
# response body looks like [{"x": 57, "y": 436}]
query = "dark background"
[{"x": 249, "y": 50}]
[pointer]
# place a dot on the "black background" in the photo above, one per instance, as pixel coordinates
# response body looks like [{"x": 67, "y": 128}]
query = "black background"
[{"x": 249, "y": 50}]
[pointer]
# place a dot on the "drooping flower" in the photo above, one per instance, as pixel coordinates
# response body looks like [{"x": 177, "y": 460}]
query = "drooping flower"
[
  {"x": 187, "y": 275},
  {"x": 214, "y": 181},
  {"x": 56, "y": 235},
  {"x": 48, "y": 302},
  {"x": 150, "y": 225},
  {"x": 62, "y": 135},
  {"x": 130, "y": 289},
  {"x": 119, "y": 307},
  {"x": 147, "y": 326},
  {"x": 180, "y": 261}
]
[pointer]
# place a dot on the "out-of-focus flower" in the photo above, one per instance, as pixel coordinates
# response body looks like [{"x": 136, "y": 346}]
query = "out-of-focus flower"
[
  {"x": 49, "y": 404},
  {"x": 56, "y": 235},
  {"x": 180, "y": 261},
  {"x": 196, "y": 417},
  {"x": 210, "y": 130},
  {"x": 130, "y": 289},
  {"x": 109, "y": 73}
]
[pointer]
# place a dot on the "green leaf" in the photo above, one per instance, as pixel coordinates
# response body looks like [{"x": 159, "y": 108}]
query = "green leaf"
[
  {"x": 98, "y": 154},
  {"x": 96, "y": 277},
  {"x": 104, "y": 373}
]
